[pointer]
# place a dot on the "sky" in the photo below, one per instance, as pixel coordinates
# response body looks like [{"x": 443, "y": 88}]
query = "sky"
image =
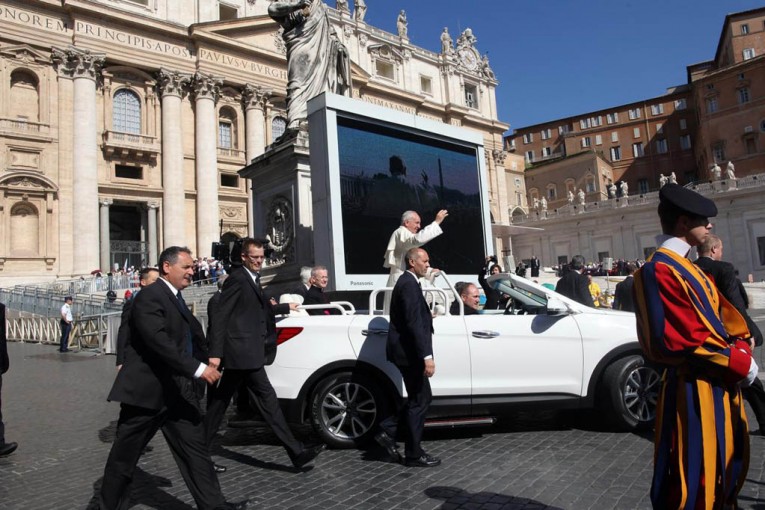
[{"x": 557, "y": 58}]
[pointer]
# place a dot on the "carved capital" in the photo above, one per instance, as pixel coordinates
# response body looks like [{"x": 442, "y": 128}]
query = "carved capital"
[
  {"x": 76, "y": 63},
  {"x": 206, "y": 86},
  {"x": 105, "y": 202},
  {"x": 499, "y": 157},
  {"x": 152, "y": 205},
  {"x": 172, "y": 83},
  {"x": 255, "y": 96}
]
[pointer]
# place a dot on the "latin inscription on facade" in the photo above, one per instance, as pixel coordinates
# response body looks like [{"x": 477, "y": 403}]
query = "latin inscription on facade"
[
  {"x": 32, "y": 19},
  {"x": 241, "y": 63}
]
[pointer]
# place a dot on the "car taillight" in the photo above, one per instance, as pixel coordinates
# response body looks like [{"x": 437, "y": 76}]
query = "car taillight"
[{"x": 284, "y": 334}]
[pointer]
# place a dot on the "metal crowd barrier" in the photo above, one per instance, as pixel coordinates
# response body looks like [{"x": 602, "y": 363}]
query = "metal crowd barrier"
[{"x": 97, "y": 333}]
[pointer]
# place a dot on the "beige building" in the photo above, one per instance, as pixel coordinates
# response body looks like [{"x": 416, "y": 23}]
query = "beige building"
[
  {"x": 123, "y": 122},
  {"x": 709, "y": 133}
]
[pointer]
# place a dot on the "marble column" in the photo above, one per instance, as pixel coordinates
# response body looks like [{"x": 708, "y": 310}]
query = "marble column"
[
  {"x": 255, "y": 100},
  {"x": 152, "y": 234},
  {"x": 206, "y": 90},
  {"x": 105, "y": 239},
  {"x": 171, "y": 85},
  {"x": 84, "y": 66},
  {"x": 503, "y": 204}
]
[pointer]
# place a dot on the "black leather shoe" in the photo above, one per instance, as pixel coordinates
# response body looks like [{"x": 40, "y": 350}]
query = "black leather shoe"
[
  {"x": 384, "y": 440},
  {"x": 219, "y": 469},
  {"x": 242, "y": 505},
  {"x": 307, "y": 455},
  {"x": 8, "y": 448},
  {"x": 423, "y": 461}
]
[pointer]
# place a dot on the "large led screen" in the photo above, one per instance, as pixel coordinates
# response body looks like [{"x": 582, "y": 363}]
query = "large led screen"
[{"x": 385, "y": 171}]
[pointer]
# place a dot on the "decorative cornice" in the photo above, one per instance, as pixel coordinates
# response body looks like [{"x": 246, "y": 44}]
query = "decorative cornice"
[
  {"x": 76, "y": 63},
  {"x": 172, "y": 83},
  {"x": 206, "y": 86},
  {"x": 255, "y": 96}
]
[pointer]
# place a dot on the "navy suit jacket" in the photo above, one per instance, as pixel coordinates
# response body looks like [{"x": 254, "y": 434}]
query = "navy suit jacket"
[
  {"x": 410, "y": 334},
  {"x": 4, "y": 361},
  {"x": 724, "y": 275},
  {"x": 158, "y": 370},
  {"x": 243, "y": 320},
  {"x": 623, "y": 299},
  {"x": 575, "y": 286}
]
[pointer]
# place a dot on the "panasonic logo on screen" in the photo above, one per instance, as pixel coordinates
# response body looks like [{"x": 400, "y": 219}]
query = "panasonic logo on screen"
[{"x": 362, "y": 284}]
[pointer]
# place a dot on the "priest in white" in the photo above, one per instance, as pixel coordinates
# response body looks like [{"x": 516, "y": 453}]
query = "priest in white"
[{"x": 404, "y": 238}]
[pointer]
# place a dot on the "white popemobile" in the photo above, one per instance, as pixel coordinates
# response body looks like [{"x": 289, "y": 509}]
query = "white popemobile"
[{"x": 543, "y": 351}]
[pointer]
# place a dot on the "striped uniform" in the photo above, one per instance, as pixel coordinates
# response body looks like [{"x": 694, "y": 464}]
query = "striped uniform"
[{"x": 701, "y": 452}]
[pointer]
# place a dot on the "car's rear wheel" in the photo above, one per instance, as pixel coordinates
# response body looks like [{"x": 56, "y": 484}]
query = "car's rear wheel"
[
  {"x": 346, "y": 408},
  {"x": 631, "y": 392}
]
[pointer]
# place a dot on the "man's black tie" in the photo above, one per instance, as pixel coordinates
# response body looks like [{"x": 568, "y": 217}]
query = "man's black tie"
[
  {"x": 257, "y": 283},
  {"x": 189, "y": 343}
]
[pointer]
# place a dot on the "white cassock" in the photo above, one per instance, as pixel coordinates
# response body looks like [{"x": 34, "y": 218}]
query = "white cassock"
[{"x": 401, "y": 241}]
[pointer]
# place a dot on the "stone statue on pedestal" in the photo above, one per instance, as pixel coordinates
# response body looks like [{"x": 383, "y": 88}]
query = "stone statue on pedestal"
[
  {"x": 581, "y": 196},
  {"x": 543, "y": 205},
  {"x": 624, "y": 188},
  {"x": 716, "y": 172},
  {"x": 402, "y": 25},
  {"x": 360, "y": 10},
  {"x": 662, "y": 180},
  {"x": 316, "y": 59},
  {"x": 612, "y": 190},
  {"x": 730, "y": 171},
  {"x": 342, "y": 6},
  {"x": 570, "y": 197},
  {"x": 447, "y": 44},
  {"x": 672, "y": 178},
  {"x": 536, "y": 204}
]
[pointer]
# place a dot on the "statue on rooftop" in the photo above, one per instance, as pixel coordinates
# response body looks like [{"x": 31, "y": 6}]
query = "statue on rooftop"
[
  {"x": 402, "y": 24},
  {"x": 360, "y": 9},
  {"x": 730, "y": 171}
]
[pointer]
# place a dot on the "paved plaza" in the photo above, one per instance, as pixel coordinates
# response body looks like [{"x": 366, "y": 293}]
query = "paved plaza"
[{"x": 54, "y": 407}]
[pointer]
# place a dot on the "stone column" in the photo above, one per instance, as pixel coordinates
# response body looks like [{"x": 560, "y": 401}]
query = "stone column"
[
  {"x": 206, "y": 89},
  {"x": 105, "y": 240},
  {"x": 84, "y": 66},
  {"x": 499, "y": 157},
  {"x": 171, "y": 84},
  {"x": 152, "y": 234},
  {"x": 255, "y": 99}
]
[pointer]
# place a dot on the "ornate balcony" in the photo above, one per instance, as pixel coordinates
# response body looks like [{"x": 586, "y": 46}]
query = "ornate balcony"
[
  {"x": 231, "y": 155},
  {"x": 24, "y": 128},
  {"x": 131, "y": 146}
]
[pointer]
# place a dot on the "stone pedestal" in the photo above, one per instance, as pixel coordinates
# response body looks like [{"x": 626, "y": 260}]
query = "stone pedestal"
[{"x": 282, "y": 209}]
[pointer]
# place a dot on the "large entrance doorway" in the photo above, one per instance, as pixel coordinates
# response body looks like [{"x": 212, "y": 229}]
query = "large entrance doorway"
[{"x": 127, "y": 234}]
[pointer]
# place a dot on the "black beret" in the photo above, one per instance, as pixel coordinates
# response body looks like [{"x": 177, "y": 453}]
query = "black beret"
[{"x": 687, "y": 200}]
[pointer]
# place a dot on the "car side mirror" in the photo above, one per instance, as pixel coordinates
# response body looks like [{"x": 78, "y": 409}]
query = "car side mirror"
[{"x": 556, "y": 307}]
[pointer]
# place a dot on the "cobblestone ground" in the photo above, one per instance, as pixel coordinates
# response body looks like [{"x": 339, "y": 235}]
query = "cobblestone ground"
[{"x": 54, "y": 407}]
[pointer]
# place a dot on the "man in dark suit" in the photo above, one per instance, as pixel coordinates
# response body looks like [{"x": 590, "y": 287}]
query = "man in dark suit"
[
  {"x": 623, "y": 299},
  {"x": 724, "y": 275},
  {"x": 410, "y": 348},
  {"x": 244, "y": 322},
  {"x": 574, "y": 284},
  {"x": 315, "y": 294},
  {"x": 157, "y": 387},
  {"x": 5, "y": 448},
  {"x": 146, "y": 277},
  {"x": 470, "y": 297},
  {"x": 535, "y": 264}
]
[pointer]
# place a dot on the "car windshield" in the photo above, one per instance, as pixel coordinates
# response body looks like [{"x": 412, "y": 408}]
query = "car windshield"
[{"x": 505, "y": 285}]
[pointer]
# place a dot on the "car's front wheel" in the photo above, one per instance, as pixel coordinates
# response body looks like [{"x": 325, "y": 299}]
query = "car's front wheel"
[
  {"x": 346, "y": 408},
  {"x": 632, "y": 391}
]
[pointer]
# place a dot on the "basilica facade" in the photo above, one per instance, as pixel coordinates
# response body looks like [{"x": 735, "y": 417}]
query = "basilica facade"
[{"x": 123, "y": 123}]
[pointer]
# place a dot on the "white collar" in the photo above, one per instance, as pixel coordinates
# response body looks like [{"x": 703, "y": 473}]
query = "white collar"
[
  {"x": 170, "y": 285},
  {"x": 674, "y": 244}
]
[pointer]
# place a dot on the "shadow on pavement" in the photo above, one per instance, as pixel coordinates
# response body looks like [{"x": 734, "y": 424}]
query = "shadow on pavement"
[
  {"x": 145, "y": 490},
  {"x": 460, "y": 498}
]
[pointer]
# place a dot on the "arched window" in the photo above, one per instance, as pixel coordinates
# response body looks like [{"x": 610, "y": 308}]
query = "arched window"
[
  {"x": 227, "y": 128},
  {"x": 552, "y": 191},
  {"x": 25, "y": 98},
  {"x": 126, "y": 112},
  {"x": 278, "y": 126},
  {"x": 25, "y": 226}
]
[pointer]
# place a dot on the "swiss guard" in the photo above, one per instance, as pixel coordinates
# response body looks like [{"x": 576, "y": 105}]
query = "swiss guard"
[{"x": 701, "y": 449}]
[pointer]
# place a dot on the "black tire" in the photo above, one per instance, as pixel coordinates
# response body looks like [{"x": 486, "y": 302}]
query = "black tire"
[
  {"x": 630, "y": 392},
  {"x": 346, "y": 409}
]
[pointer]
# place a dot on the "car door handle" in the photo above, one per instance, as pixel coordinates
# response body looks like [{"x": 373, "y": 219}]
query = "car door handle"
[
  {"x": 485, "y": 334},
  {"x": 368, "y": 332}
]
